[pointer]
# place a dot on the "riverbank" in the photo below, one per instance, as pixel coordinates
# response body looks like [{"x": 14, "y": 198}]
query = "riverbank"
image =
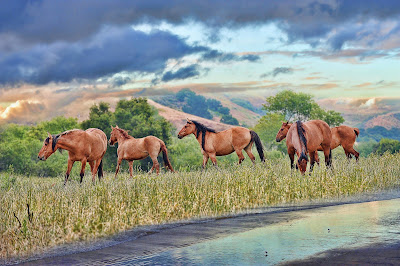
[
  {"x": 163, "y": 243},
  {"x": 81, "y": 213}
]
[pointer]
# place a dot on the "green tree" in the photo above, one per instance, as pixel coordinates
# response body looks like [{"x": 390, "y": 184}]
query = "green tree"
[
  {"x": 300, "y": 106},
  {"x": 290, "y": 104},
  {"x": 387, "y": 145},
  {"x": 100, "y": 117},
  {"x": 267, "y": 128}
]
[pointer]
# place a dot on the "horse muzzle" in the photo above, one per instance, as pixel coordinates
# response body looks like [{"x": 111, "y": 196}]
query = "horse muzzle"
[
  {"x": 278, "y": 140},
  {"x": 42, "y": 158},
  {"x": 180, "y": 137}
]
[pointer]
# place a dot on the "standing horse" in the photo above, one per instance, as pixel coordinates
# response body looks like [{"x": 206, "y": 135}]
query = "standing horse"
[
  {"x": 344, "y": 136},
  {"x": 306, "y": 138},
  {"x": 214, "y": 143},
  {"x": 131, "y": 149},
  {"x": 84, "y": 146}
]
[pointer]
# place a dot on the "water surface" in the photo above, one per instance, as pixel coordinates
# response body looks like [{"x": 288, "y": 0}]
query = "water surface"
[{"x": 351, "y": 225}]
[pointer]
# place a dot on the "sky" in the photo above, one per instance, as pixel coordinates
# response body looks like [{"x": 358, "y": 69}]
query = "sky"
[{"x": 61, "y": 57}]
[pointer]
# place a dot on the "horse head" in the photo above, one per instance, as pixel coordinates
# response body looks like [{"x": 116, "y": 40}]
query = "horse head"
[
  {"x": 302, "y": 163},
  {"x": 48, "y": 148},
  {"x": 187, "y": 129},
  {"x": 113, "y": 136},
  {"x": 283, "y": 131}
]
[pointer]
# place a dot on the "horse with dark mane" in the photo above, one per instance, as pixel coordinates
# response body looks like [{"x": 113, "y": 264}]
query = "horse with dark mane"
[
  {"x": 131, "y": 149},
  {"x": 87, "y": 146},
  {"x": 222, "y": 143},
  {"x": 306, "y": 138},
  {"x": 344, "y": 136}
]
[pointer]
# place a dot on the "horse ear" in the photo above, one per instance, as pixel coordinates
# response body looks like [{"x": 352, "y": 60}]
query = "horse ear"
[
  {"x": 188, "y": 120},
  {"x": 112, "y": 127},
  {"x": 116, "y": 126},
  {"x": 49, "y": 135}
]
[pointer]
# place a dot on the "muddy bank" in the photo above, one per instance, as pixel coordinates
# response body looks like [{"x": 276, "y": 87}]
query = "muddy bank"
[{"x": 171, "y": 243}]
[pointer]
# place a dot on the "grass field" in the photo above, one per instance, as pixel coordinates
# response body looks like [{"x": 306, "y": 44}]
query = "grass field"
[{"x": 63, "y": 214}]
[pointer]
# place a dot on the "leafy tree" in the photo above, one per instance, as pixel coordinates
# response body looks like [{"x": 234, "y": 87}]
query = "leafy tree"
[
  {"x": 300, "y": 106},
  {"x": 290, "y": 104},
  {"x": 267, "y": 128},
  {"x": 229, "y": 119},
  {"x": 100, "y": 117},
  {"x": 387, "y": 145},
  {"x": 367, "y": 147}
]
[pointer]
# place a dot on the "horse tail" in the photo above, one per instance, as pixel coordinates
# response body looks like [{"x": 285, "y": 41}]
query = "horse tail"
[
  {"x": 300, "y": 132},
  {"x": 357, "y": 131},
  {"x": 167, "y": 163},
  {"x": 259, "y": 146},
  {"x": 100, "y": 169}
]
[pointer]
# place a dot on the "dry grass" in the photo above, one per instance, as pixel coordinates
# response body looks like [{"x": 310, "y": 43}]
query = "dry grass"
[{"x": 63, "y": 214}]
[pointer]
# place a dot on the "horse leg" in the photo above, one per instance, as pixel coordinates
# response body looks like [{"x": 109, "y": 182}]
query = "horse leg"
[
  {"x": 240, "y": 155},
  {"x": 118, "y": 164},
  {"x": 70, "y": 164},
  {"x": 328, "y": 156},
  {"x": 355, "y": 153},
  {"x": 312, "y": 160},
  {"x": 91, "y": 166},
  {"x": 131, "y": 168},
  {"x": 291, "y": 157},
  {"x": 250, "y": 154},
  {"x": 96, "y": 166},
  {"x": 316, "y": 158},
  {"x": 155, "y": 165},
  {"x": 213, "y": 158},
  {"x": 83, "y": 168},
  {"x": 205, "y": 160},
  {"x": 351, "y": 151}
]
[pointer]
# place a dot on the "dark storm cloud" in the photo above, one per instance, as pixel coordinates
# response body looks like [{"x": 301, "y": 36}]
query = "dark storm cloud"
[
  {"x": 182, "y": 73},
  {"x": 45, "y": 41},
  {"x": 108, "y": 52},
  {"x": 214, "y": 55},
  {"x": 277, "y": 71},
  {"x": 47, "y": 20},
  {"x": 120, "y": 81}
]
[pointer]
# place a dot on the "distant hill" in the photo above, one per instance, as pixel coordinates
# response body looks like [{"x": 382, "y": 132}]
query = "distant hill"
[
  {"x": 178, "y": 118},
  {"x": 388, "y": 121}
]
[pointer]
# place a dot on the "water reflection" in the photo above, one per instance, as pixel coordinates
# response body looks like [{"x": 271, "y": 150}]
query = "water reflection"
[{"x": 344, "y": 226}]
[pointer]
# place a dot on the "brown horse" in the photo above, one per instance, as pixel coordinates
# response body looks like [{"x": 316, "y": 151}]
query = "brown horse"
[
  {"x": 306, "y": 138},
  {"x": 84, "y": 146},
  {"x": 344, "y": 136},
  {"x": 131, "y": 149},
  {"x": 214, "y": 143}
]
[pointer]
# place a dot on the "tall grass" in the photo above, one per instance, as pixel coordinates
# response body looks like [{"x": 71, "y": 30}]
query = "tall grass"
[{"x": 63, "y": 214}]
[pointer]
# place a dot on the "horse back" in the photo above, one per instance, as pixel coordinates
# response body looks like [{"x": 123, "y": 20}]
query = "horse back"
[
  {"x": 317, "y": 132},
  {"x": 225, "y": 142},
  {"x": 96, "y": 138},
  {"x": 346, "y": 134}
]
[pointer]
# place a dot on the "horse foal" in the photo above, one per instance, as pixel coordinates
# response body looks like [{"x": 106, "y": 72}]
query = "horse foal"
[{"x": 131, "y": 149}]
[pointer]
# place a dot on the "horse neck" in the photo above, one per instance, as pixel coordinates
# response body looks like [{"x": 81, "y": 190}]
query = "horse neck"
[
  {"x": 121, "y": 138},
  {"x": 65, "y": 142},
  {"x": 199, "y": 136},
  {"x": 302, "y": 146}
]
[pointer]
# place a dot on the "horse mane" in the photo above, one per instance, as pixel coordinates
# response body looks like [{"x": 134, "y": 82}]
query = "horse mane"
[
  {"x": 203, "y": 129},
  {"x": 124, "y": 133},
  {"x": 300, "y": 131},
  {"x": 55, "y": 137}
]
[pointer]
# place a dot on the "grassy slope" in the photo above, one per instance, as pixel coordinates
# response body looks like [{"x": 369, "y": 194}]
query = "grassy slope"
[{"x": 74, "y": 212}]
